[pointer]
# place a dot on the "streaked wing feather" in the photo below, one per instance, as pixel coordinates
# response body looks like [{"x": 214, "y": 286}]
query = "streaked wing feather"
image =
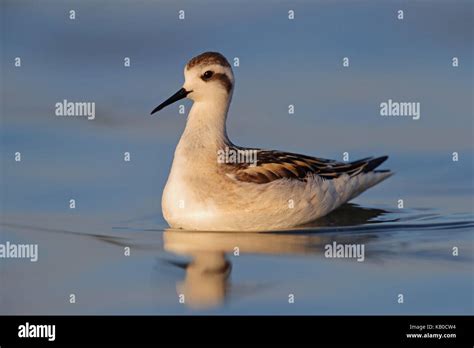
[{"x": 274, "y": 165}]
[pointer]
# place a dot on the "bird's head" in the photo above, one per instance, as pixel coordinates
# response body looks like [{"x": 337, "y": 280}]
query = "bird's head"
[{"x": 206, "y": 76}]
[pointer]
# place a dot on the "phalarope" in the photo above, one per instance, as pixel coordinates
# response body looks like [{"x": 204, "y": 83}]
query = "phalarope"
[{"x": 279, "y": 190}]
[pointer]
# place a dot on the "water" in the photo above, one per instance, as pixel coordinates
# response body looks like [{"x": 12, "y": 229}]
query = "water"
[{"x": 408, "y": 251}]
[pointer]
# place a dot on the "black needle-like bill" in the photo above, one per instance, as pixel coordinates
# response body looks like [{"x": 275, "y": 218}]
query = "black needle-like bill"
[{"x": 182, "y": 93}]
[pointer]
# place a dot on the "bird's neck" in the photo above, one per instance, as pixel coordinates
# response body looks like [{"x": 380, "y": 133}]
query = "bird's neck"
[{"x": 205, "y": 131}]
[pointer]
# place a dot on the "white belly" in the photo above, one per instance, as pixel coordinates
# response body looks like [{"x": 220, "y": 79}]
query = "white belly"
[
  {"x": 186, "y": 205},
  {"x": 215, "y": 203}
]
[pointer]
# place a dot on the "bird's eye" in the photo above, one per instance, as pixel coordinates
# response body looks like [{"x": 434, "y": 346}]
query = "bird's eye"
[{"x": 207, "y": 75}]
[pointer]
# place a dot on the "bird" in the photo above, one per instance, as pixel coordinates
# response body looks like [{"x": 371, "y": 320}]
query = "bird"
[{"x": 214, "y": 185}]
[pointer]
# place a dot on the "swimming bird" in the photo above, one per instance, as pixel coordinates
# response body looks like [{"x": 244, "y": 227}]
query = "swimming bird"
[{"x": 216, "y": 185}]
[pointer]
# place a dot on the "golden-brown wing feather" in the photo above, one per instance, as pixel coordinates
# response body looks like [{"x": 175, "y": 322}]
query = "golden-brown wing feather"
[{"x": 274, "y": 165}]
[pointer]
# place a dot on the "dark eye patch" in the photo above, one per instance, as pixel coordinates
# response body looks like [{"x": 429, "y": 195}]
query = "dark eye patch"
[
  {"x": 224, "y": 81},
  {"x": 222, "y": 78}
]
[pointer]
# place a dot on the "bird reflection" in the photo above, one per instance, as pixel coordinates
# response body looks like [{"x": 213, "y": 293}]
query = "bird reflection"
[
  {"x": 207, "y": 280},
  {"x": 205, "y": 283}
]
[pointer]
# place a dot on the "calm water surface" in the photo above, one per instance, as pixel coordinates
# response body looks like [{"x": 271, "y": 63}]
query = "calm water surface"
[{"x": 408, "y": 251}]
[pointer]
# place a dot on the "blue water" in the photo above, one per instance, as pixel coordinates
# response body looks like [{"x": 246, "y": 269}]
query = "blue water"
[{"x": 408, "y": 251}]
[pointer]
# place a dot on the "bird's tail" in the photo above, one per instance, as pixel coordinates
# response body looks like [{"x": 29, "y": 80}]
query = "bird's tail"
[{"x": 370, "y": 177}]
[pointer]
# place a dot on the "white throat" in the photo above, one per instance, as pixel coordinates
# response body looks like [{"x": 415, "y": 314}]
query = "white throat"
[{"x": 205, "y": 131}]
